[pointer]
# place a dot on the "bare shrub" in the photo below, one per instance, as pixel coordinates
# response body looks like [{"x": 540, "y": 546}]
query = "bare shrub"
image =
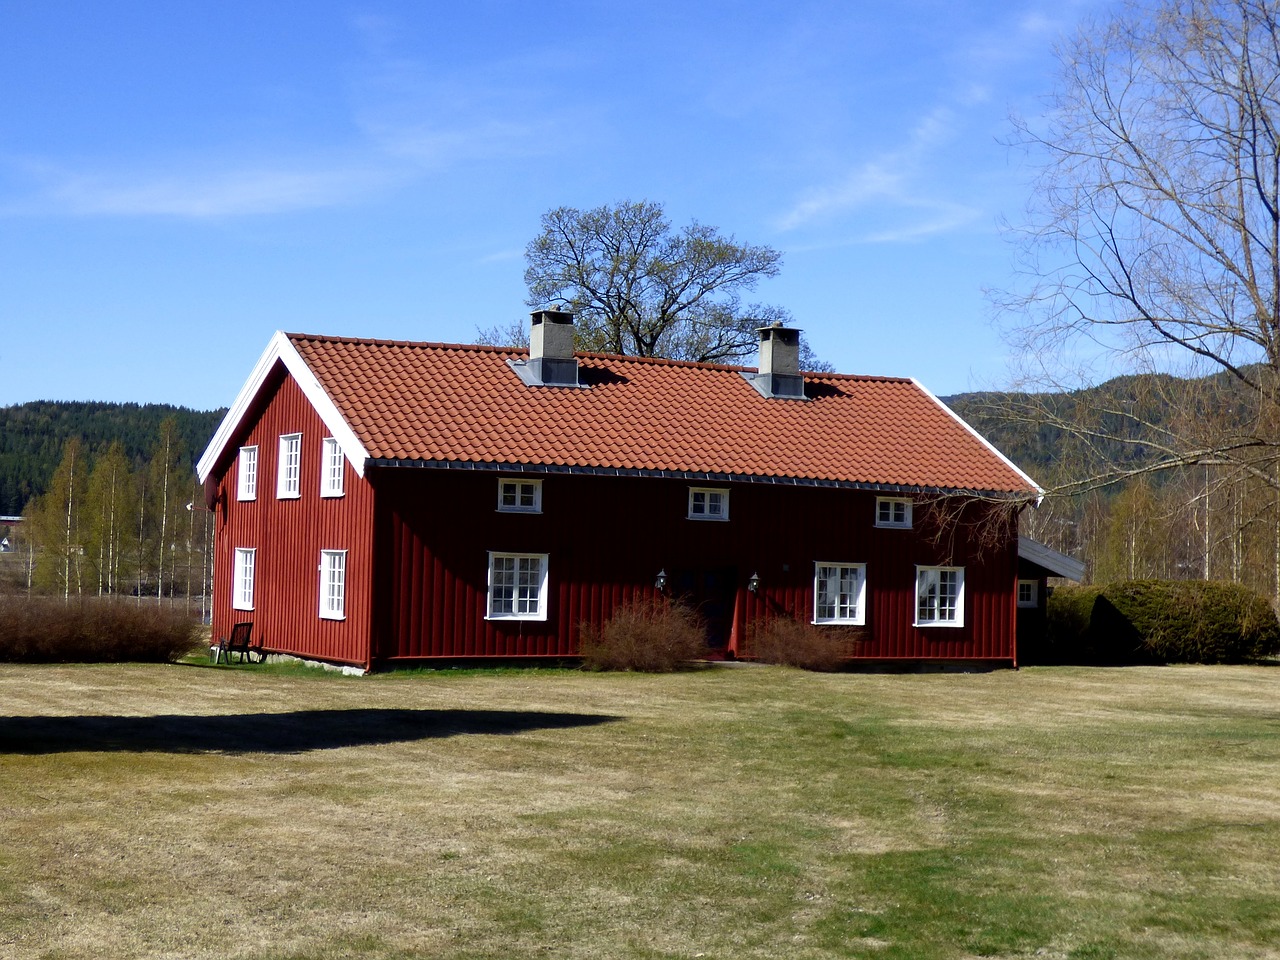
[
  {"x": 92, "y": 630},
  {"x": 791, "y": 643},
  {"x": 652, "y": 636}
]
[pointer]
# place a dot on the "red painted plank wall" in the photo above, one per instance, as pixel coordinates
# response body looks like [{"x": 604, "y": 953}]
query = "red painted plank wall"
[
  {"x": 289, "y": 535},
  {"x": 608, "y": 537}
]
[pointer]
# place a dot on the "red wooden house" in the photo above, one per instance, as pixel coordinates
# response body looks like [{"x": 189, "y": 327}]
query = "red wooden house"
[{"x": 386, "y": 502}]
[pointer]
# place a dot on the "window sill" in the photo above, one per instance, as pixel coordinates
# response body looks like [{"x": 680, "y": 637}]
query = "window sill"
[{"x": 938, "y": 623}]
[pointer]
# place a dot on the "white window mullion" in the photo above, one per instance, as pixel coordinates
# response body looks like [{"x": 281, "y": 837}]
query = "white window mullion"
[
  {"x": 333, "y": 584},
  {"x": 517, "y": 586},
  {"x": 332, "y": 469},
  {"x": 939, "y": 596},
  {"x": 289, "y": 467},
  {"x": 839, "y": 591},
  {"x": 242, "y": 578},
  {"x": 247, "y": 474}
]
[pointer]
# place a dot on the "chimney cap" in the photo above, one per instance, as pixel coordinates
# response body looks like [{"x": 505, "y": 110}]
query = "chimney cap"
[{"x": 553, "y": 315}]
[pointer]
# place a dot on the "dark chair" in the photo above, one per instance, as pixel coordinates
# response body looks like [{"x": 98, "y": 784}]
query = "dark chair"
[{"x": 238, "y": 642}]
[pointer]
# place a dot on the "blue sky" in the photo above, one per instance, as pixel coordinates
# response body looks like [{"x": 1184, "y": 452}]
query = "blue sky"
[{"x": 178, "y": 179}]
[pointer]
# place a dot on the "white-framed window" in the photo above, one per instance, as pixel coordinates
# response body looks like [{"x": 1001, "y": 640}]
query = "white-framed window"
[
  {"x": 517, "y": 586},
  {"x": 1028, "y": 593},
  {"x": 839, "y": 591},
  {"x": 333, "y": 584},
  {"x": 332, "y": 469},
  {"x": 893, "y": 512},
  {"x": 289, "y": 469},
  {"x": 519, "y": 496},
  {"x": 247, "y": 474},
  {"x": 708, "y": 503},
  {"x": 939, "y": 596},
  {"x": 242, "y": 578}
]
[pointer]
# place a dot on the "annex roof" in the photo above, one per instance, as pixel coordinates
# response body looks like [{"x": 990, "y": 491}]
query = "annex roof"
[{"x": 442, "y": 405}]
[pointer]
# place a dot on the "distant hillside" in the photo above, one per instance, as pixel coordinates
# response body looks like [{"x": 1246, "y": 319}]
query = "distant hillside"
[
  {"x": 32, "y": 435},
  {"x": 1039, "y": 445}
]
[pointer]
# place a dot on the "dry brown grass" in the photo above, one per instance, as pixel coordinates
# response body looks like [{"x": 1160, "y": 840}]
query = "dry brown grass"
[{"x": 179, "y": 811}]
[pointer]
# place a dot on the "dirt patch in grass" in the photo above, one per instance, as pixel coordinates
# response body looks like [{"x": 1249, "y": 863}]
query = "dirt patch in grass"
[{"x": 151, "y": 811}]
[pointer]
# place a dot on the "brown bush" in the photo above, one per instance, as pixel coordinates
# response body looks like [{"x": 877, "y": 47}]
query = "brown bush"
[
  {"x": 93, "y": 630},
  {"x": 791, "y": 643},
  {"x": 653, "y": 636}
]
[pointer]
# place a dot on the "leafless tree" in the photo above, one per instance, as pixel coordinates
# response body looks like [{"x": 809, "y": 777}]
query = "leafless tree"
[
  {"x": 641, "y": 288},
  {"x": 1153, "y": 241}
]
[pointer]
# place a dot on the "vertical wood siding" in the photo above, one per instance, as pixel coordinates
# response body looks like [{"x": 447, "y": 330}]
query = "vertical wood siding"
[
  {"x": 289, "y": 535},
  {"x": 607, "y": 538}
]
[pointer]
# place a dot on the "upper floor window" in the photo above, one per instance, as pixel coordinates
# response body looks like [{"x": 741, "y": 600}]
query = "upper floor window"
[
  {"x": 893, "y": 512},
  {"x": 332, "y": 468},
  {"x": 838, "y": 591},
  {"x": 242, "y": 578},
  {"x": 247, "y": 474},
  {"x": 333, "y": 584},
  {"x": 517, "y": 586},
  {"x": 708, "y": 503},
  {"x": 939, "y": 596},
  {"x": 520, "y": 496},
  {"x": 289, "y": 469}
]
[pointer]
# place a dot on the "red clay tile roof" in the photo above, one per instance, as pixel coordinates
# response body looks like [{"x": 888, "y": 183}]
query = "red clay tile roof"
[{"x": 465, "y": 404}]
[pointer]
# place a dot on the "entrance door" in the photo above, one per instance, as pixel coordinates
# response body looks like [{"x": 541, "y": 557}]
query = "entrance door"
[{"x": 712, "y": 592}]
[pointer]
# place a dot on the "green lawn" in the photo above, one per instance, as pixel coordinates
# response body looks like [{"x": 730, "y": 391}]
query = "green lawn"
[{"x": 190, "y": 812}]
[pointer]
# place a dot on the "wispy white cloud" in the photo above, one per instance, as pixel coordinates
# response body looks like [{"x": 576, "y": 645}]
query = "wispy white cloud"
[
  {"x": 889, "y": 185},
  {"x": 209, "y": 194},
  {"x": 412, "y": 118},
  {"x": 501, "y": 256}
]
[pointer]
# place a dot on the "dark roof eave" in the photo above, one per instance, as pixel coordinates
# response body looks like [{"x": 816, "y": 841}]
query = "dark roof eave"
[{"x": 699, "y": 475}]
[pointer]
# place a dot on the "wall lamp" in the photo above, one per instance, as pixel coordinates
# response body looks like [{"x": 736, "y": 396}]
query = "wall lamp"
[
  {"x": 661, "y": 580},
  {"x": 753, "y": 583}
]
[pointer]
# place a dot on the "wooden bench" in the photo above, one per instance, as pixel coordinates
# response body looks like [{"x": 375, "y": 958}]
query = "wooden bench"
[{"x": 238, "y": 642}]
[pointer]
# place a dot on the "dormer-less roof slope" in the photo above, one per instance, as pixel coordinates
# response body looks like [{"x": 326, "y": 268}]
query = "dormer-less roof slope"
[{"x": 446, "y": 405}]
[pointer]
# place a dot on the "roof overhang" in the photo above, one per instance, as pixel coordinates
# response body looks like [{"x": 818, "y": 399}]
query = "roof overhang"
[
  {"x": 588, "y": 470},
  {"x": 1054, "y": 563},
  {"x": 281, "y": 350}
]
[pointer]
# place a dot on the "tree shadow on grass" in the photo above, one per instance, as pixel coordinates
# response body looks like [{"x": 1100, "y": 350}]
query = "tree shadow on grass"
[{"x": 294, "y": 732}]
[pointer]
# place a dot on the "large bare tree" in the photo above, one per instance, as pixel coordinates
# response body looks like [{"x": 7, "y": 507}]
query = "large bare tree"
[
  {"x": 1154, "y": 237},
  {"x": 640, "y": 288}
]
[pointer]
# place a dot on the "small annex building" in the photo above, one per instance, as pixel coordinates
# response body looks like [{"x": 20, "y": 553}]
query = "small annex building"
[{"x": 380, "y": 503}]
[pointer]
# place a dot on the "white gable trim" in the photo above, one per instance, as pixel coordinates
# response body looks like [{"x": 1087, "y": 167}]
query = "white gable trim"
[
  {"x": 282, "y": 350},
  {"x": 981, "y": 439}
]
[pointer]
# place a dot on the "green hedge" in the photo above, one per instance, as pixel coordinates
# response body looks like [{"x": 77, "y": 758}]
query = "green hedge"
[{"x": 1159, "y": 621}]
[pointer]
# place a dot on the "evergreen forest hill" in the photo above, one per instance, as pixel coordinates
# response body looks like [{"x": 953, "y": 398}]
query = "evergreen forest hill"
[
  {"x": 32, "y": 436},
  {"x": 1137, "y": 412},
  {"x": 1027, "y": 428}
]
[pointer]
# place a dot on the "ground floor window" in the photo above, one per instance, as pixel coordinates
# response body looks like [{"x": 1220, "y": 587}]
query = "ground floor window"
[
  {"x": 939, "y": 596},
  {"x": 242, "y": 578},
  {"x": 838, "y": 590},
  {"x": 333, "y": 584},
  {"x": 517, "y": 586},
  {"x": 1028, "y": 593}
]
